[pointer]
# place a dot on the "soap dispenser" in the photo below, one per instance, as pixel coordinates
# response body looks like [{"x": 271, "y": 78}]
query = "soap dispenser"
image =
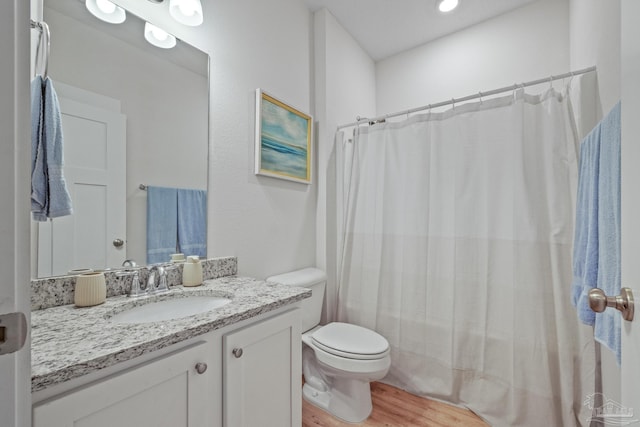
[{"x": 192, "y": 272}]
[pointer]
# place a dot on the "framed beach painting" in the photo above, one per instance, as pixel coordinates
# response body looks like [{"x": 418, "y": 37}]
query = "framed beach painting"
[{"x": 283, "y": 140}]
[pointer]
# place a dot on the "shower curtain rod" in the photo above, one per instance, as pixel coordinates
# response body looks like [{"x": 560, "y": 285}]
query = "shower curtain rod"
[{"x": 381, "y": 119}]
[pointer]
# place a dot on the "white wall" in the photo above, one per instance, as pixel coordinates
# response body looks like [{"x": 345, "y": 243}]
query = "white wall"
[
  {"x": 344, "y": 86},
  {"x": 595, "y": 40},
  {"x": 525, "y": 44},
  {"x": 165, "y": 105},
  {"x": 269, "y": 224}
]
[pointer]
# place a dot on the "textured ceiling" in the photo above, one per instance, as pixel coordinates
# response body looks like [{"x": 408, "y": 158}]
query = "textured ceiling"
[{"x": 386, "y": 27}]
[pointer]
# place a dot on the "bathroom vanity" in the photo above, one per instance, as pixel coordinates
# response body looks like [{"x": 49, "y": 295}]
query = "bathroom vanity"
[{"x": 238, "y": 365}]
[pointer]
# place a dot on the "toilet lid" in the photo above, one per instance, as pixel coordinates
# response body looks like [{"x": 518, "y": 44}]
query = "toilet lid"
[{"x": 346, "y": 340}]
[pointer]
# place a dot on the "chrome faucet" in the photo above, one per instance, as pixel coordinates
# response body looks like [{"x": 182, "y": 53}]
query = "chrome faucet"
[
  {"x": 135, "y": 290},
  {"x": 161, "y": 286},
  {"x": 162, "y": 280},
  {"x": 129, "y": 263}
]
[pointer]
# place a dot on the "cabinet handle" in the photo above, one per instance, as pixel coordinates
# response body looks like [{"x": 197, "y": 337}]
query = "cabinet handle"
[
  {"x": 201, "y": 367},
  {"x": 237, "y": 352}
]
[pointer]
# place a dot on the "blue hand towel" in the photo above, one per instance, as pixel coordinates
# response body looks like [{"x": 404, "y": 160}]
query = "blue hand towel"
[
  {"x": 39, "y": 188},
  {"x": 596, "y": 250},
  {"x": 585, "y": 243},
  {"x": 608, "y": 323},
  {"x": 192, "y": 222},
  {"x": 49, "y": 195},
  {"x": 162, "y": 223}
]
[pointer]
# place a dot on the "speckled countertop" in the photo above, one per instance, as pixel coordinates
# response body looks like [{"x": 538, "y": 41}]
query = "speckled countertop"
[{"x": 68, "y": 342}]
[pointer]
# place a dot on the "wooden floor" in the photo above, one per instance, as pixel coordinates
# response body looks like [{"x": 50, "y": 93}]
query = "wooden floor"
[{"x": 393, "y": 407}]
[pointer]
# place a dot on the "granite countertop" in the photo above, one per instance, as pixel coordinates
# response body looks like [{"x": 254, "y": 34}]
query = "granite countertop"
[{"x": 68, "y": 342}]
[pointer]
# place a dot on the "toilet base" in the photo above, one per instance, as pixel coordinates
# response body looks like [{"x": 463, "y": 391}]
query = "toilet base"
[{"x": 347, "y": 399}]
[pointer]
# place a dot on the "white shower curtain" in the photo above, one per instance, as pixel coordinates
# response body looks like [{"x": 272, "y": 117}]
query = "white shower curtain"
[{"x": 457, "y": 248}]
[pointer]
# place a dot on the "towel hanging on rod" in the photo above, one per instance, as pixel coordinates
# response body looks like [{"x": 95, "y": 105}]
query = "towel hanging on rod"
[{"x": 43, "y": 49}]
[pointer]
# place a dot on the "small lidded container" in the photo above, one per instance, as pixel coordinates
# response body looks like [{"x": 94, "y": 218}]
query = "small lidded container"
[
  {"x": 192, "y": 272},
  {"x": 176, "y": 258}
]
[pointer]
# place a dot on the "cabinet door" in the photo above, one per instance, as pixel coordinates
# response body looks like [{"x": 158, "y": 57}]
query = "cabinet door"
[
  {"x": 262, "y": 373},
  {"x": 168, "y": 392}
]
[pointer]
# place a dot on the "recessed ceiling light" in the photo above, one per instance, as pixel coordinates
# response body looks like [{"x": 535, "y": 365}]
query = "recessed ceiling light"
[{"x": 445, "y": 6}]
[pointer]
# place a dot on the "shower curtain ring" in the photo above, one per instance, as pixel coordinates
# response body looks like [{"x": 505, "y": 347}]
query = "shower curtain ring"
[
  {"x": 453, "y": 102},
  {"x": 480, "y": 96}
]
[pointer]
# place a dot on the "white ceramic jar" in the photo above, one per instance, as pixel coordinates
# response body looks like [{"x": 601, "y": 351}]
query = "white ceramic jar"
[{"x": 90, "y": 289}]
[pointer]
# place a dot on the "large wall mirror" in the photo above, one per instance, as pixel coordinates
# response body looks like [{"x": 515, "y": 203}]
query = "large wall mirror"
[{"x": 133, "y": 115}]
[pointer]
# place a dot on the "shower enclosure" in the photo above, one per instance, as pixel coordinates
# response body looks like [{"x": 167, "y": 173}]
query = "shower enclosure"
[{"x": 457, "y": 234}]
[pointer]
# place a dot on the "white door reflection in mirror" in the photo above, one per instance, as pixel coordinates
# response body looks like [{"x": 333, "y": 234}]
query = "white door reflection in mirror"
[{"x": 95, "y": 171}]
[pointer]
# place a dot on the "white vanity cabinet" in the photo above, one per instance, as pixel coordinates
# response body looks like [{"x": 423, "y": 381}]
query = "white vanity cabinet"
[
  {"x": 257, "y": 386},
  {"x": 262, "y": 373},
  {"x": 170, "y": 391}
]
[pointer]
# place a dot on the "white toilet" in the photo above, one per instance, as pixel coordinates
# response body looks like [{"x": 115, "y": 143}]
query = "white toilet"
[{"x": 338, "y": 360}]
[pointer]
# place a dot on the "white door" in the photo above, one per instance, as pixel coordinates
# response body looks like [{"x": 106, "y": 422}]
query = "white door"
[
  {"x": 95, "y": 172},
  {"x": 15, "y": 153},
  {"x": 631, "y": 201}
]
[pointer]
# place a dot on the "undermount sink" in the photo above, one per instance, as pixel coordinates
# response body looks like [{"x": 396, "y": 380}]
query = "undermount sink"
[{"x": 170, "y": 309}]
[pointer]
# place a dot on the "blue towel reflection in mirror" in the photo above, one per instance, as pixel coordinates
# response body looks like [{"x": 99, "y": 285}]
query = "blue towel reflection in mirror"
[
  {"x": 49, "y": 195},
  {"x": 176, "y": 222}
]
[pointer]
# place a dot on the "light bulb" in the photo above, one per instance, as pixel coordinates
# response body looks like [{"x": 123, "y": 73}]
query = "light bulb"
[
  {"x": 106, "y": 6},
  {"x": 159, "y": 33},
  {"x": 187, "y": 8},
  {"x": 447, "y": 5},
  {"x": 106, "y": 11},
  {"x": 187, "y": 12},
  {"x": 158, "y": 37}
]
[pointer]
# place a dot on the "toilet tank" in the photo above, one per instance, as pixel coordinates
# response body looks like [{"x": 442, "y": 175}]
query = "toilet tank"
[{"x": 311, "y": 278}]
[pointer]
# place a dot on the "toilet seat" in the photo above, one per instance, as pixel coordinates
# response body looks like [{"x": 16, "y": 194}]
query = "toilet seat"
[{"x": 350, "y": 341}]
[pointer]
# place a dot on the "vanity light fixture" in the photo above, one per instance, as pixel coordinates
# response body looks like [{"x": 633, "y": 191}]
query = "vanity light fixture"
[
  {"x": 187, "y": 12},
  {"x": 445, "y": 6},
  {"x": 106, "y": 11},
  {"x": 158, "y": 37}
]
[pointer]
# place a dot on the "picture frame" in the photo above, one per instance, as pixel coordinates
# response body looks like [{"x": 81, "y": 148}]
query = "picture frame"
[{"x": 283, "y": 140}]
